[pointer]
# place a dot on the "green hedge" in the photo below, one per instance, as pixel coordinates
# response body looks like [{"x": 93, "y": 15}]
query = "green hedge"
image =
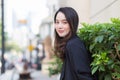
[
  {"x": 103, "y": 42},
  {"x": 55, "y": 67}
]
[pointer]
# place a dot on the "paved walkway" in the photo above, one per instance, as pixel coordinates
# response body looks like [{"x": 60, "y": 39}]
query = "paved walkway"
[{"x": 36, "y": 75}]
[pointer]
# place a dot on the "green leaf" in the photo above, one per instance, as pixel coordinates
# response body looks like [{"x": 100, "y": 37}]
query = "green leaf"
[
  {"x": 108, "y": 77},
  {"x": 117, "y": 75},
  {"x": 111, "y": 37},
  {"x": 102, "y": 68},
  {"x": 99, "y": 39},
  {"x": 94, "y": 69},
  {"x": 92, "y": 47},
  {"x": 118, "y": 47}
]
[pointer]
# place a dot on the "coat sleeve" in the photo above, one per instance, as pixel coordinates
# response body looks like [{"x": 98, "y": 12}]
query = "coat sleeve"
[{"x": 79, "y": 60}]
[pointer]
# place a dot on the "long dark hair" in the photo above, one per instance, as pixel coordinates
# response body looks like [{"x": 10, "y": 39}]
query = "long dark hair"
[{"x": 73, "y": 20}]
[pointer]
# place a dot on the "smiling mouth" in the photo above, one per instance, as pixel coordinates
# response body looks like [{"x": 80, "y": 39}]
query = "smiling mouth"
[{"x": 60, "y": 31}]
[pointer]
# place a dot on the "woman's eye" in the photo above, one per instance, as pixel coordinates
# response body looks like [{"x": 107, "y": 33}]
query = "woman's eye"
[
  {"x": 65, "y": 22},
  {"x": 57, "y": 22}
]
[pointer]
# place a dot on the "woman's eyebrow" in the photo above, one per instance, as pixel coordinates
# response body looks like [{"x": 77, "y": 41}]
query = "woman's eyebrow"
[
  {"x": 64, "y": 20},
  {"x": 61, "y": 19}
]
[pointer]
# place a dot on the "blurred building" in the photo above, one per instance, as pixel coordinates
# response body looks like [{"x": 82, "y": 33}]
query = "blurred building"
[{"x": 90, "y": 11}]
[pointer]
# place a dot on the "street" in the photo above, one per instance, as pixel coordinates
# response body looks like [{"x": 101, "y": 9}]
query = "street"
[{"x": 36, "y": 75}]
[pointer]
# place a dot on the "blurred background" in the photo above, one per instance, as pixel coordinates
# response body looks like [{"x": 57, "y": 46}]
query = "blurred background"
[{"x": 27, "y": 30}]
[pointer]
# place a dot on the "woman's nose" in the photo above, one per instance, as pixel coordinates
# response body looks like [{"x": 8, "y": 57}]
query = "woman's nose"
[{"x": 60, "y": 25}]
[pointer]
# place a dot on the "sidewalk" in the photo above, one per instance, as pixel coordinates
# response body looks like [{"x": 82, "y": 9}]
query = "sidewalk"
[{"x": 36, "y": 75}]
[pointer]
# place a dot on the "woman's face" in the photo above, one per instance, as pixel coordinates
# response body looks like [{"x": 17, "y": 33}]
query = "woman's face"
[{"x": 62, "y": 26}]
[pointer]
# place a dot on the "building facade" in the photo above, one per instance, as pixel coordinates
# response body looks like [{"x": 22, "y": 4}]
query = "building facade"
[{"x": 89, "y": 11}]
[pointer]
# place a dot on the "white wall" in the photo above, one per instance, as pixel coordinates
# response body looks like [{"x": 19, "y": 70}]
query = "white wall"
[
  {"x": 107, "y": 9},
  {"x": 88, "y": 8},
  {"x": 82, "y": 7}
]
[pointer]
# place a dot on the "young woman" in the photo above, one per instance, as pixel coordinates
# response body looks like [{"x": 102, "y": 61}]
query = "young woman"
[{"x": 69, "y": 47}]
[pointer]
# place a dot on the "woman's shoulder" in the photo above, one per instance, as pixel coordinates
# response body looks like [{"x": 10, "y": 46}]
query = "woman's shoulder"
[{"x": 75, "y": 40}]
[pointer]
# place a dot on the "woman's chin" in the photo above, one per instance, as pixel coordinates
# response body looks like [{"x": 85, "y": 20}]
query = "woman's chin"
[{"x": 61, "y": 35}]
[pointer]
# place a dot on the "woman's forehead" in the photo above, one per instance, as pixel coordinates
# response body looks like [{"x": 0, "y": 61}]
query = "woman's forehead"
[{"x": 60, "y": 16}]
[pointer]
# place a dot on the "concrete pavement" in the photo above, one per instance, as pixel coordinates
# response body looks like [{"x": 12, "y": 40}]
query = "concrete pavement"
[{"x": 36, "y": 75}]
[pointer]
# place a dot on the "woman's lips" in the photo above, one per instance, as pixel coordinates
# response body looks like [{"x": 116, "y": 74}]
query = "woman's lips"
[{"x": 60, "y": 31}]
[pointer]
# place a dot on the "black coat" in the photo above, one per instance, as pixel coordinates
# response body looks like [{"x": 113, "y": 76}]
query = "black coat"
[{"x": 76, "y": 65}]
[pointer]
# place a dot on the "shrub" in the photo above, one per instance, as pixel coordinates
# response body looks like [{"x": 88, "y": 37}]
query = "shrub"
[
  {"x": 103, "y": 42},
  {"x": 56, "y": 66}
]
